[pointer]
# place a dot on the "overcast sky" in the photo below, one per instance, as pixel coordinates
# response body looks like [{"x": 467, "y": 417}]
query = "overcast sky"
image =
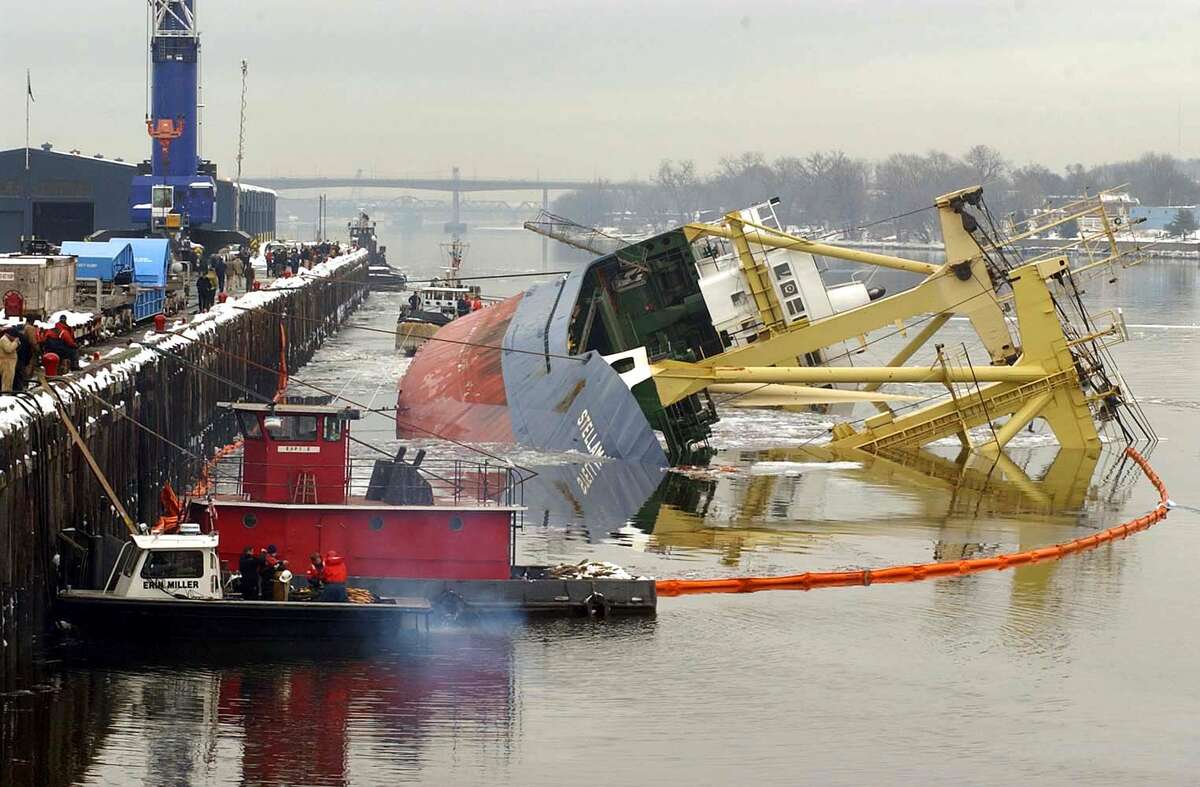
[{"x": 608, "y": 89}]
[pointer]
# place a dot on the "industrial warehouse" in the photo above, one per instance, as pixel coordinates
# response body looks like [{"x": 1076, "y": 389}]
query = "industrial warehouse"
[{"x": 69, "y": 195}]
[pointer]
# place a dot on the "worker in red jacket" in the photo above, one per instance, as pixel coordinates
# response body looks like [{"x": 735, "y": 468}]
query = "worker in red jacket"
[
  {"x": 60, "y": 340},
  {"x": 336, "y": 575}
]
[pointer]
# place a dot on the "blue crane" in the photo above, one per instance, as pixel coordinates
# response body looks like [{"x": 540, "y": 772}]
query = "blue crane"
[{"x": 175, "y": 191}]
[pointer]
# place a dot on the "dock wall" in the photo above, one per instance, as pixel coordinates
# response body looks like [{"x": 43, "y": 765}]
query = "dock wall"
[{"x": 148, "y": 415}]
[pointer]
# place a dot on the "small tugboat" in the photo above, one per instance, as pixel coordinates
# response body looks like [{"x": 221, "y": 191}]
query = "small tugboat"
[
  {"x": 380, "y": 274},
  {"x": 170, "y": 586},
  {"x": 441, "y": 532},
  {"x": 436, "y": 304}
]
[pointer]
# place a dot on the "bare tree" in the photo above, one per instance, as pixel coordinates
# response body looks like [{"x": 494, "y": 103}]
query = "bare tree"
[
  {"x": 986, "y": 162},
  {"x": 680, "y": 187}
]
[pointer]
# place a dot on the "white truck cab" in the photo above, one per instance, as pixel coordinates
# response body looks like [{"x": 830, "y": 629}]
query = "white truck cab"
[{"x": 168, "y": 566}]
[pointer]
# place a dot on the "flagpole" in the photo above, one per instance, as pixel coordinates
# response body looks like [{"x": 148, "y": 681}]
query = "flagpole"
[
  {"x": 28, "y": 90},
  {"x": 28, "y": 176}
]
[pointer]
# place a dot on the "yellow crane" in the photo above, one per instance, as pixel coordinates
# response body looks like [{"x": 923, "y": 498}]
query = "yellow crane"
[{"x": 1049, "y": 368}]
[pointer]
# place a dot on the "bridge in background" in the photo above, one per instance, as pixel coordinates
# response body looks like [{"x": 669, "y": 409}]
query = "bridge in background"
[
  {"x": 456, "y": 185},
  {"x": 451, "y": 184}
]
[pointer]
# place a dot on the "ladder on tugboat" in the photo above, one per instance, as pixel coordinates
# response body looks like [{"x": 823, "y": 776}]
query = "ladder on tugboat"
[{"x": 305, "y": 490}]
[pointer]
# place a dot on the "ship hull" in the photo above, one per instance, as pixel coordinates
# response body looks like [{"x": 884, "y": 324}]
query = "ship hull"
[{"x": 505, "y": 375}]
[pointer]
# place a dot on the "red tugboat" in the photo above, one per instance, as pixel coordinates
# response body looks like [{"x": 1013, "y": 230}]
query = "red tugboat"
[{"x": 445, "y": 532}]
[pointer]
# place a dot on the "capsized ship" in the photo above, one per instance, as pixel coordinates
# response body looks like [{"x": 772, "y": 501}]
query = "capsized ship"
[{"x": 621, "y": 358}]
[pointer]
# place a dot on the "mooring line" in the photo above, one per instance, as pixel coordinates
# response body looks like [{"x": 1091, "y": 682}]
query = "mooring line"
[{"x": 921, "y": 571}]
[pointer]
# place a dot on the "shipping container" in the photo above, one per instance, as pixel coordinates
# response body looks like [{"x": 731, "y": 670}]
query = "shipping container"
[{"x": 37, "y": 286}]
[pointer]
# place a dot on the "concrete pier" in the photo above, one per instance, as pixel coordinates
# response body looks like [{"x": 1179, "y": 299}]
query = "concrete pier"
[{"x": 148, "y": 415}]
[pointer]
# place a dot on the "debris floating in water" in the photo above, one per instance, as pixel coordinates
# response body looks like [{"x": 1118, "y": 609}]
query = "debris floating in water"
[{"x": 589, "y": 569}]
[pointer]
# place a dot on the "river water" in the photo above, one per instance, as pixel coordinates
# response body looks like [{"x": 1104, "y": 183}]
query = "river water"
[{"x": 1080, "y": 671}]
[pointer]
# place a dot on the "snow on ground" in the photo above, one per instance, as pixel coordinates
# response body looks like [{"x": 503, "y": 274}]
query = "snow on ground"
[{"x": 14, "y": 412}]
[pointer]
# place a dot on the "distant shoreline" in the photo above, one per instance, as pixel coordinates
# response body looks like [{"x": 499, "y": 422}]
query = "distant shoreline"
[{"x": 1189, "y": 250}]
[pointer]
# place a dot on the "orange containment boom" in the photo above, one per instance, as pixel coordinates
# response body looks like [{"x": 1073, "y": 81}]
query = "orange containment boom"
[{"x": 922, "y": 571}]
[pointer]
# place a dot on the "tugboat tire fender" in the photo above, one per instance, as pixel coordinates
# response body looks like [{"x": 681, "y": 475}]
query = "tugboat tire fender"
[
  {"x": 596, "y": 605},
  {"x": 449, "y": 605}
]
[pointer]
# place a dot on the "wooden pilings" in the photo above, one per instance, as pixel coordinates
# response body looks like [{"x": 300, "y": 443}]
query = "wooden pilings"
[{"x": 46, "y": 488}]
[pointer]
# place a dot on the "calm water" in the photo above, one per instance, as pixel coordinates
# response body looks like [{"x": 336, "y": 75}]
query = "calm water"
[{"x": 1081, "y": 671}]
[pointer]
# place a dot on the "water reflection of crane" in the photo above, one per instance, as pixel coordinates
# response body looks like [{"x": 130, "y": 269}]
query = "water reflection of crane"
[{"x": 730, "y": 512}]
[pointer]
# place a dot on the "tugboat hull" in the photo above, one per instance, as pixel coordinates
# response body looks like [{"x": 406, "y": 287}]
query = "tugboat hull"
[{"x": 99, "y": 614}]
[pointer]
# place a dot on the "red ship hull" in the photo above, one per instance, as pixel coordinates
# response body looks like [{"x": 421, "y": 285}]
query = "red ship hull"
[{"x": 454, "y": 387}]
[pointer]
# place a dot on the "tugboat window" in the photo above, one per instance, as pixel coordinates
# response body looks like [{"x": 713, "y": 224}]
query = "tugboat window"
[
  {"x": 249, "y": 520},
  {"x": 377, "y": 523},
  {"x": 291, "y": 427},
  {"x": 174, "y": 564},
  {"x": 456, "y": 523},
  {"x": 249, "y": 425},
  {"x": 333, "y": 428}
]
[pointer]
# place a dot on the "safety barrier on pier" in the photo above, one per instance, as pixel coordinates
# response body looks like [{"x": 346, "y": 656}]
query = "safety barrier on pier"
[{"x": 921, "y": 571}]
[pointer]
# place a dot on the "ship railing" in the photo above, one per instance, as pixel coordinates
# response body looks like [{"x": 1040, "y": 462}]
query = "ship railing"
[{"x": 451, "y": 481}]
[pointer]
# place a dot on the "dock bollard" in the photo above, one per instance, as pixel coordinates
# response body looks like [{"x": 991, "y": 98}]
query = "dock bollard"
[
  {"x": 160, "y": 322},
  {"x": 50, "y": 361},
  {"x": 222, "y": 297}
]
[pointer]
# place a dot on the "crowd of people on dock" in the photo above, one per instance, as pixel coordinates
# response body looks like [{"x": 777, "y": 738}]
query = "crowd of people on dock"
[
  {"x": 223, "y": 273},
  {"x": 285, "y": 260},
  {"x": 23, "y": 346}
]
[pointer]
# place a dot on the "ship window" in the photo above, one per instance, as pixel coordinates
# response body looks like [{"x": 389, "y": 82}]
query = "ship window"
[
  {"x": 249, "y": 425},
  {"x": 333, "y": 428},
  {"x": 249, "y": 520},
  {"x": 174, "y": 564},
  {"x": 129, "y": 556},
  {"x": 377, "y": 523},
  {"x": 291, "y": 427},
  {"x": 456, "y": 523},
  {"x": 783, "y": 271},
  {"x": 795, "y": 307}
]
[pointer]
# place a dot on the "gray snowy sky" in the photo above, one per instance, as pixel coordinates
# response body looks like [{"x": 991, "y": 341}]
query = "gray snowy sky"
[{"x": 576, "y": 89}]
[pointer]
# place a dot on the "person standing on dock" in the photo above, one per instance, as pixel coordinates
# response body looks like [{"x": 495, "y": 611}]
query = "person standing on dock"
[
  {"x": 33, "y": 339},
  {"x": 9, "y": 344},
  {"x": 218, "y": 266},
  {"x": 247, "y": 266},
  {"x": 204, "y": 289}
]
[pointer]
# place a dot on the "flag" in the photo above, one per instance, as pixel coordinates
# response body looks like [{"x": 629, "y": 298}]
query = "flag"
[{"x": 29, "y": 87}]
